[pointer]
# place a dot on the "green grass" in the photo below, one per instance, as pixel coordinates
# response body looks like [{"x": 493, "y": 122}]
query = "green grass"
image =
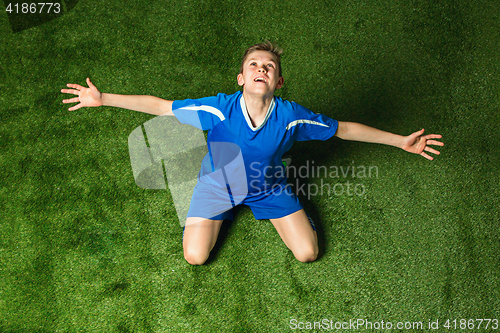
[{"x": 83, "y": 249}]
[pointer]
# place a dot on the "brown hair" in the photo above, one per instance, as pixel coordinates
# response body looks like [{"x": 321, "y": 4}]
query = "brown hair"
[{"x": 266, "y": 46}]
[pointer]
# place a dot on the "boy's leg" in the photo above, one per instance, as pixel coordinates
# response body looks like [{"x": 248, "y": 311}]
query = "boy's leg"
[
  {"x": 297, "y": 233},
  {"x": 200, "y": 236}
]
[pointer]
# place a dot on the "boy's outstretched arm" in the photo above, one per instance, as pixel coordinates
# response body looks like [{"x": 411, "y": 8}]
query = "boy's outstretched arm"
[
  {"x": 416, "y": 143},
  {"x": 91, "y": 96}
]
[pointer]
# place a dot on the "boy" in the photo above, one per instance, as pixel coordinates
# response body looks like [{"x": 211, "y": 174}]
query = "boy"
[{"x": 264, "y": 127}]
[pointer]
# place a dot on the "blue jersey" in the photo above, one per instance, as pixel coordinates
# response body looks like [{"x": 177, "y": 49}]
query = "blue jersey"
[{"x": 226, "y": 119}]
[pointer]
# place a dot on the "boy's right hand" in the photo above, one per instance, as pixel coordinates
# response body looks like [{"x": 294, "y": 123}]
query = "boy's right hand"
[{"x": 86, "y": 96}]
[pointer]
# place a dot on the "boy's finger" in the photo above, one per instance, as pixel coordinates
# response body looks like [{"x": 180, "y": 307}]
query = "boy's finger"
[
  {"x": 418, "y": 133},
  {"x": 90, "y": 83},
  {"x": 433, "y": 136},
  {"x": 435, "y": 143},
  {"x": 70, "y": 91},
  {"x": 71, "y": 100},
  {"x": 427, "y": 156},
  {"x": 430, "y": 150},
  {"x": 77, "y": 86},
  {"x": 76, "y": 107}
]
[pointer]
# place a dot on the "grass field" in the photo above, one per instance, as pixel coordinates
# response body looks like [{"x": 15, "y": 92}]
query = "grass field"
[{"x": 83, "y": 249}]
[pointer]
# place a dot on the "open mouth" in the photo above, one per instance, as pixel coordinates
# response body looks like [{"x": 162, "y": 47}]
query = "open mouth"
[{"x": 260, "y": 79}]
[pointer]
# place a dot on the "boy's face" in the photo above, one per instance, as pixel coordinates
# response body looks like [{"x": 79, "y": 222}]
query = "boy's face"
[{"x": 260, "y": 74}]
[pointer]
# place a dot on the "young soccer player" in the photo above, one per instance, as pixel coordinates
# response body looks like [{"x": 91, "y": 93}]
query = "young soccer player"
[{"x": 263, "y": 127}]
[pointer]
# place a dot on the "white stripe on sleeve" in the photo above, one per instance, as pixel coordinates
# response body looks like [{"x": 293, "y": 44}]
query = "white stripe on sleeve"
[
  {"x": 206, "y": 108},
  {"x": 305, "y": 121}
]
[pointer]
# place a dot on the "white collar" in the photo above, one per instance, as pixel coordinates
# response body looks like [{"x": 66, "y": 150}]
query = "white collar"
[{"x": 247, "y": 117}]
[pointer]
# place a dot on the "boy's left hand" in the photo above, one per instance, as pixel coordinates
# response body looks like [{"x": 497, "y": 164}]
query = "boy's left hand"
[{"x": 417, "y": 143}]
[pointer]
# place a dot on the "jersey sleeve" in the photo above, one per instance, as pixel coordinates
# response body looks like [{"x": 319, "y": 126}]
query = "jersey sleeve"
[
  {"x": 308, "y": 125},
  {"x": 203, "y": 113}
]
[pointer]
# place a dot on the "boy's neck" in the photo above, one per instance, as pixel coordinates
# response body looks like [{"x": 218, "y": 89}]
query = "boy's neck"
[{"x": 257, "y": 107}]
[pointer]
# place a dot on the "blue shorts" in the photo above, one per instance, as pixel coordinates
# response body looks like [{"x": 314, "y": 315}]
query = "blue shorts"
[{"x": 215, "y": 203}]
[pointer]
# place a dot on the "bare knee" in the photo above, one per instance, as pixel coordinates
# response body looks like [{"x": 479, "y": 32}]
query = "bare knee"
[
  {"x": 199, "y": 238},
  {"x": 307, "y": 254},
  {"x": 195, "y": 257}
]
